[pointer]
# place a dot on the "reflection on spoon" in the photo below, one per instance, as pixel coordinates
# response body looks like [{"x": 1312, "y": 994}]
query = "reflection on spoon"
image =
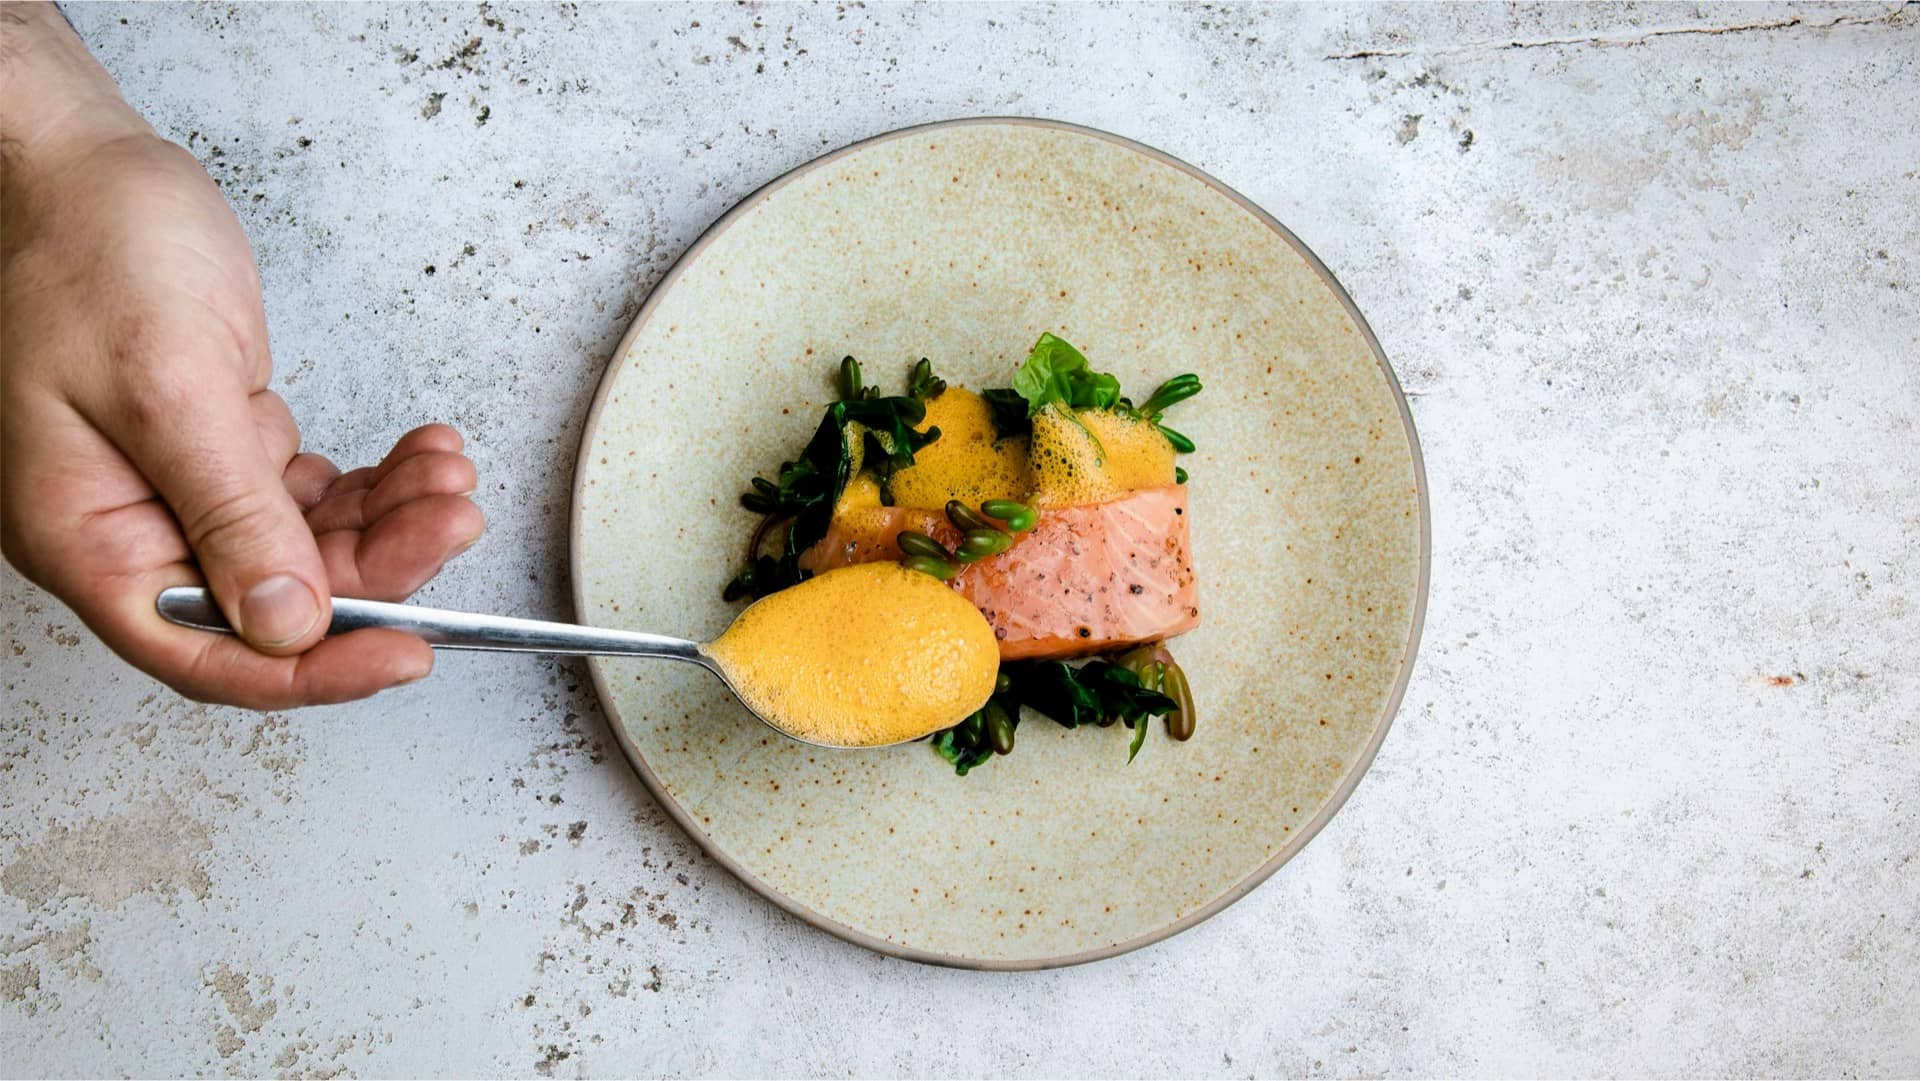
[{"x": 863, "y": 656}]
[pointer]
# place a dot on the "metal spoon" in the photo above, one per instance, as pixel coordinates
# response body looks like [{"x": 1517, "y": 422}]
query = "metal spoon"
[{"x": 191, "y": 606}]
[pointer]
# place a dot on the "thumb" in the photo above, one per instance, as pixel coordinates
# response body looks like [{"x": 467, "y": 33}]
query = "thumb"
[{"x": 207, "y": 459}]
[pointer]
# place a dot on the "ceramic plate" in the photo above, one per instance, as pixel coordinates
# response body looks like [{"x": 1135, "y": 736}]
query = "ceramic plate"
[{"x": 962, "y": 242}]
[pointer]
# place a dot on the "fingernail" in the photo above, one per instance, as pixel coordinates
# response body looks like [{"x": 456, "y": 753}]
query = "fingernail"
[
  {"x": 278, "y": 611},
  {"x": 418, "y": 672}
]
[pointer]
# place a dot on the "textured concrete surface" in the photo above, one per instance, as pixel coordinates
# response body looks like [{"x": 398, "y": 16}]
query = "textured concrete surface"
[{"x": 1649, "y": 274}]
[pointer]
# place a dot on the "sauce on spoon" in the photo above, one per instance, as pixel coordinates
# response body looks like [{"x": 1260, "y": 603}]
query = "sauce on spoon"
[{"x": 861, "y": 656}]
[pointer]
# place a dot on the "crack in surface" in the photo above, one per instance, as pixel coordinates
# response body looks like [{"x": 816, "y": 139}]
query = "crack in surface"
[{"x": 1642, "y": 38}]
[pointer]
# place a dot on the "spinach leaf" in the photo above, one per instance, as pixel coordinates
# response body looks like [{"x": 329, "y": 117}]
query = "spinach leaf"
[
  {"x": 808, "y": 487},
  {"x": 962, "y": 751},
  {"x": 891, "y": 438},
  {"x": 1096, "y": 691},
  {"x": 1055, "y": 373},
  {"x": 1072, "y": 696},
  {"x": 1009, "y": 411},
  {"x": 1089, "y": 694},
  {"x": 1056, "y": 376}
]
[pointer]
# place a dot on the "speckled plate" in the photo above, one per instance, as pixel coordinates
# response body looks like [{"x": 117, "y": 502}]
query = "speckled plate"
[{"x": 962, "y": 242}]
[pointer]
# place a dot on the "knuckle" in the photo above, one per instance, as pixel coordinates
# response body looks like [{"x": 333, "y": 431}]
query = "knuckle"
[
  {"x": 232, "y": 523},
  {"x": 149, "y": 385}
]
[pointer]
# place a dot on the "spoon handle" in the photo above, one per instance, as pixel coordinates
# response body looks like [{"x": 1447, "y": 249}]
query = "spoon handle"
[{"x": 191, "y": 606}]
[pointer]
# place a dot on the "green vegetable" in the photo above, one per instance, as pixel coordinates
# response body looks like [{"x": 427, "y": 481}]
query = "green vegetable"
[
  {"x": 1009, "y": 412},
  {"x": 986, "y": 732},
  {"x": 978, "y": 544},
  {"x": 747, "y": 583},
  {"x": 922, "y": 383},
  {"x": 1000, "y": 727},
  {"x": 1178, "y": 389},
  {"x": 850, "y": 385},
  {"x": 959, "y": 750},
  {"x": 1140, "y": 737},
  {"x": 920, "y": 544},
  {"x": 1164, "y": 676},
  {"x": 807, "y": 488},
  {"x": 939, "y": 568},
  {"x": 764, "y": 499},
  {"x": 1097, "y": 692},
  {"x": 1055, "y": 373},
  {"x": 974, "y": 728},
  {"x": 965, "y": 518},
  {"x": 1140, "y": 661},
  {"x": 1084, "y": 695},
  {"x": 1056, "y": 376},
  {"x": 1180, "y": 723},
  {"x": 1018, "y": 517}
]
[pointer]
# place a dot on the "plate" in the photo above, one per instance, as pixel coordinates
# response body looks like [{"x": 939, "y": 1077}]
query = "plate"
[{"x": 962, "y": 242}]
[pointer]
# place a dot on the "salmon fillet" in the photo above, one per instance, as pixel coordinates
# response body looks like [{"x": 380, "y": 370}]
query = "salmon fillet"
[
  {"x": 1086, "y": 579},
  {"x": 867, "y": 535}
]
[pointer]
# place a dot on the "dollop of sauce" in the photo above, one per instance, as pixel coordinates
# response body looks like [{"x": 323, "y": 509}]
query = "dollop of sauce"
[
  {"x": 1102, "y": 456},
  {"x": 968, "y": 462},
  {"x": 861, "y": 656},
  {"x": 862, "y": 493}
]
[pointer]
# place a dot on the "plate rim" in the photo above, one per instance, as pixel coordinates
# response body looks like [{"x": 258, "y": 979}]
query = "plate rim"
[{"x": 1350, "y": 780}]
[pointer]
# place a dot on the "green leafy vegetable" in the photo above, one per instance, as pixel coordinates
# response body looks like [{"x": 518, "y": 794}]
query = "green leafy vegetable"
[
  {"x": 1056, "y": 376},
  {"x": 891, "y": 438},
  {"x": 955, "y": 746},
  {"x": 1140, "y": 737},
  {"x": 1009, "y": 411},
  {"x": 1096, "y": 692},
  {"x": 1055, "y": 373},
  {"x": 972, "y": 741},
  {"x": 808, "y": 487}
]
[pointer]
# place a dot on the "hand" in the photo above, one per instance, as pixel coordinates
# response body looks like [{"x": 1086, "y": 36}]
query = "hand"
[{"x": 142, "y": 449}]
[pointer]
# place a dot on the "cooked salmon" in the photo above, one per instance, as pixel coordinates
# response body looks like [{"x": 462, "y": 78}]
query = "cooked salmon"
[
  {"x": 867, "y": 535},
  {"x": 1086, "y": 579}
]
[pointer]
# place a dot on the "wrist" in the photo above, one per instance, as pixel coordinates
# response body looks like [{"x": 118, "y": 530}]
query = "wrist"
[
  {"x": 58, "y": 101},
  {"x": 57, "y": 106}
]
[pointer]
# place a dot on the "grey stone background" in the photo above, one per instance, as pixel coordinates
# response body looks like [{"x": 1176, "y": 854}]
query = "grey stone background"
[{"x": 1648, "y": 274}]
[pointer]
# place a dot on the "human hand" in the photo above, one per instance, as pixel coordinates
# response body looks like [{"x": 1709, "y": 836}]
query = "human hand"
[{"x": 142, "y": 449}]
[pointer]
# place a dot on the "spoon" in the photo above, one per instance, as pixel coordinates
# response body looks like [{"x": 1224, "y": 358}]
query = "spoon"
[{"x": 191, "y": 606}]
